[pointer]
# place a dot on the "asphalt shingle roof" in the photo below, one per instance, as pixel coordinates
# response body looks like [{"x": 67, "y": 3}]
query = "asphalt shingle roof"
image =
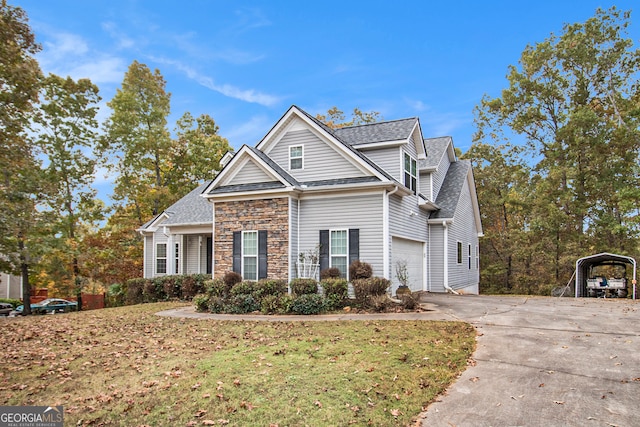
[
  {"x": 191, "y": 209},
  {"x": 257, "y": 186},
  {"x": 395, "y": 130},
  {"x": 436, "y": 148},
  {"x": 449, "y": 194}
]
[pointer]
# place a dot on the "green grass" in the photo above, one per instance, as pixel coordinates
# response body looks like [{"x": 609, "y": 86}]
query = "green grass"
[{"x": 126, "y": 366}]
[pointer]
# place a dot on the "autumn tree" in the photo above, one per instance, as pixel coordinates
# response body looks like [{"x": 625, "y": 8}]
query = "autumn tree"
[
  {"x": 197, "y": 151},
  {"x": 19, "y": 180},
  {"x": 66, "y": 134},
  {"x": 573, "y": 102},
  {"x": 138, "y": 142},
  {"x": 335, "y": 118}
]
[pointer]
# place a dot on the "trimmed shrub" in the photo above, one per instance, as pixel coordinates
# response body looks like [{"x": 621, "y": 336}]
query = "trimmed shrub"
[
  {"x": 378, "y": 303},
  {"x": 330, "y": 273},
  {"x": 192, "y": 284},
  {"x": 409, "y": 301},
  {"x": 172, "y": 286},
  {"x": 135, "y": 291},
  {"x": 276, "y": 304},
  {"x": 217, "y": 288},
  {"x": 246, "y": 287},
  {"x": 271, "y": 287},
  {"x": 153, "y": 290},
  {"x": 241, "y": 304},
  {"x": 217, "y": 305},
  {"x": 202, "y": 302},
  {"x": 364, "y": 288},
  {"x": 360, "y": 270},
  {"x": 335, "y": 293},
  {"x": 304, "y": 286},
  {"x": 308, "y": 304},
  {"x": 231, "y": 278}
]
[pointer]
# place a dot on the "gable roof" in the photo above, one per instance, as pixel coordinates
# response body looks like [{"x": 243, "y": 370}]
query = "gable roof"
[
  {"x": 282, "y": 179},
  {"x": 436, "y": 149},
  {"x": 372, "y": 133},
  {"x": 189, "y": 210}
]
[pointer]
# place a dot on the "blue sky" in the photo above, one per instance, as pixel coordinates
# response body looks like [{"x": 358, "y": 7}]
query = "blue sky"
[{"x": 245, "y": 62}]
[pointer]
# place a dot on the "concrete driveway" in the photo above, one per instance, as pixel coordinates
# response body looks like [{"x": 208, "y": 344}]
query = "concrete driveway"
[{"x": 544, "y": 362}]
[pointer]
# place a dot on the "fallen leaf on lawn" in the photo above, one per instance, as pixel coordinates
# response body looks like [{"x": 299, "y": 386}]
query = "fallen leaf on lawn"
[
  {"x": 206, "y": 395},
  {"x": 236, "y": 382},
  {"x": 195, "y": 386},
  {"x": 208, "y": 423},
  {"x": 558, "y": 402},
  {"x": 474, "y": 379},
  {"x": 247, "y": 405},
  {"x": 200, "y": 413},
  {"x": 318, "y": 404},
  {"x": 395, "y": 412}
]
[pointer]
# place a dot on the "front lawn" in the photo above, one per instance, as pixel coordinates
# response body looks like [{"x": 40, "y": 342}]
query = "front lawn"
[{"x": 127, "y": 366}]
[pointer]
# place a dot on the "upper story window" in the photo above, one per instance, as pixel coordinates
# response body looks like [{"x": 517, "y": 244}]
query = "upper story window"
[
  {"x": 410, "y": 173},
  {"x": 295, "y": 157}
]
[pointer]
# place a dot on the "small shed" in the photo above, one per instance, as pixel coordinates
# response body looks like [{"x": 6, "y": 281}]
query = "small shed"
[{"x": 583, "y": 265}]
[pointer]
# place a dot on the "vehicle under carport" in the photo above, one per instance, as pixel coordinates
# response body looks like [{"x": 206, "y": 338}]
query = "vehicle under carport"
[{"x": 593, "y": 282}]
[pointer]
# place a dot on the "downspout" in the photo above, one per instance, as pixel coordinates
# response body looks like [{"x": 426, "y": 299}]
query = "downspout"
[
  {"x": 385, "y": 234},
  {"x": 446, "y": 259},
  {"x": 199, "y": 254}
]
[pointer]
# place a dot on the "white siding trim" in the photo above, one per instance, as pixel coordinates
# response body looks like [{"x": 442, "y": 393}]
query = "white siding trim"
[{"x": 445, "y": 248}]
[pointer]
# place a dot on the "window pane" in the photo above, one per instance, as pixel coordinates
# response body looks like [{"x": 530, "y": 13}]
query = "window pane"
[
  {"x": 161, "y": 265},
  {"x": 296, "y": 151},
  {"x": 340, "y": 262},
  {"x": 250, "y": 268},
  {"x": 339, "y": 242},
  {"x": 250, "y": 243},
  {"x": 161, "y": 250},
  {"x": 414, "y": 167},
  {"x": 296, "y": 163}
]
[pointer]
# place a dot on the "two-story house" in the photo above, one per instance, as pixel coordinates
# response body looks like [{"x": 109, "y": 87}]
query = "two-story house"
[{"x": 380, "y": 193}]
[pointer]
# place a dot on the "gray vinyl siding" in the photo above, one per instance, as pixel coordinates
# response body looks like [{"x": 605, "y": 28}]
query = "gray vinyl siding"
[
  {"x": 353, "y": 211},
  {"x": 463, "y": 230},
  {"x": 389, "y": 159},
  {"x": 293, "y": 244},
  {"x": 320, "y": 160},
  {"x": 249, "y": 174},
  {"x": 435, "y": 265},
  {"x": 425, "y": 185},
  {"x": 439, "y": 175},
  {"x": 403, "y": 224},
  {"x": 149, "y": 262}
]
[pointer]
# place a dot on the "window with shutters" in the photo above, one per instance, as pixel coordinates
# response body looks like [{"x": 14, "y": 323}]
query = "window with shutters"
[
  {"x": 250, "y": 255},
  {"x": 339, "y": 248},
  {"x": 161, "y": 258}
]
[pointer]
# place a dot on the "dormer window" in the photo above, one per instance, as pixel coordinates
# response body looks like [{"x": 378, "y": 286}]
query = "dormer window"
[
  {"x": 295, "y": 157},
  {"x": 410, "y": 173}
]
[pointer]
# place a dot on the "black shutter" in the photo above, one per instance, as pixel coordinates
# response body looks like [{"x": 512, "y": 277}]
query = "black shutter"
[
  {"x": 262, "y": 254},
  {"x": 209, "y": 254},
  {"x": 354, "y": 244},
  {"x": 324, "y": 249},
  {"x": 237, "y": 252}
]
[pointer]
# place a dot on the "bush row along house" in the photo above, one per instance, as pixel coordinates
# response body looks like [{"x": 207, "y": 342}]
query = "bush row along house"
[{"x": 380, "y": 193}]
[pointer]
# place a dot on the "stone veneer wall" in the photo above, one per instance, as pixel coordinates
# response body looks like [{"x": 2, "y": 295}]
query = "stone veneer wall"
[{"x": 253, "y": 215}]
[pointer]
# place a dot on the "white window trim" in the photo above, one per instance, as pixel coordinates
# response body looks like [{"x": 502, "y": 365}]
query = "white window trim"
[
  {"x": 412, "y": 159},
  {"x": 156, "y": 258},
  {"x": 346, "y": 255},
  {"x": 477, "y": 258},
  {"x": 469, "y": 256},
  {"x": 243, "y": 255},
  {"x": 301, "y": 157},
  {"x": 459, "y": 255}
]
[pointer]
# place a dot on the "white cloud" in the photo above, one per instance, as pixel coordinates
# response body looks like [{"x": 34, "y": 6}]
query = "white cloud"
[
  {"x": 114, "y": 32},
  {"x": 249, "y": 131},
  {"x": 247, "y": 95}
]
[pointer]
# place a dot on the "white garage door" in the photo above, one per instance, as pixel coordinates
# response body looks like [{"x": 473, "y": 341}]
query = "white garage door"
[{"x": 411, "y": 253}]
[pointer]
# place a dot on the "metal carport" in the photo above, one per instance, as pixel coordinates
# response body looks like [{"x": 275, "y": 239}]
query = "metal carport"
[{"x": 583, "y": 264}]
